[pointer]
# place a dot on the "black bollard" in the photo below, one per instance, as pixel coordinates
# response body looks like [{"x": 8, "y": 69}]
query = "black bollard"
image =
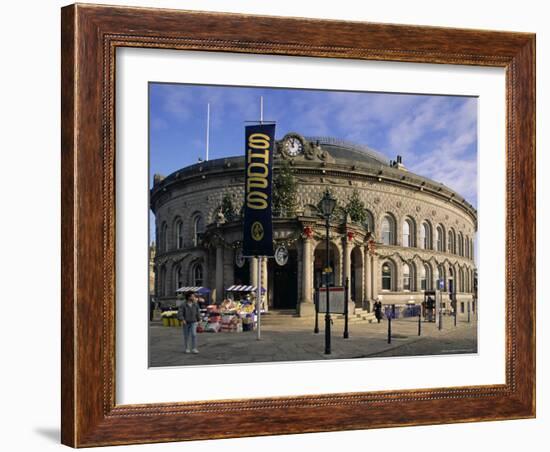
[
  {"x": 346, "y": 313},
  {"x": 468, "y": 312},
  {"x": 419, "y": 324},
  {"x": 316, "y": 329},
  {"x": 389, "y": 329},
  {"x": 456, "y": 307}
]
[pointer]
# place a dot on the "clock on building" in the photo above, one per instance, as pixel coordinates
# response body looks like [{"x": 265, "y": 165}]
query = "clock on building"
[{"x": 293, "y": 145}]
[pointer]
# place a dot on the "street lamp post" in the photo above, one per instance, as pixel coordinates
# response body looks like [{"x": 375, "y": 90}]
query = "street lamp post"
[{"x": 327, "y": 205}]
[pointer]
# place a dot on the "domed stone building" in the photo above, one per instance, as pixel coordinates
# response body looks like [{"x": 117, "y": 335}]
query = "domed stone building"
[{"x": 394, "y": 234}]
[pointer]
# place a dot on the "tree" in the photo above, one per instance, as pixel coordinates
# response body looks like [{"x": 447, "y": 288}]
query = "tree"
[
  {"x": 227, "y": 207},
  {"x": 356, "y": 209},
  {"x": 284, "y": 191}
]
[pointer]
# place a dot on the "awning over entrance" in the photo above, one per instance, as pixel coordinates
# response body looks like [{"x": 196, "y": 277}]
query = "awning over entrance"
[
  {"x": 241, "y": 288},
  {"x": 199, "y": 289}
]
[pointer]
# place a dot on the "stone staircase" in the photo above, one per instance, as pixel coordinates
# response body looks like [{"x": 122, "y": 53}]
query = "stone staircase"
[
  {"x": 359, "y": 316},
  {"x": 281, "y": 316}
]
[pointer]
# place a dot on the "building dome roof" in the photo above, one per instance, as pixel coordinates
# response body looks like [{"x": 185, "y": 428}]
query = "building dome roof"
[
  {"x": 347, "y": 150},
  {"x": 325, "y": 155}
]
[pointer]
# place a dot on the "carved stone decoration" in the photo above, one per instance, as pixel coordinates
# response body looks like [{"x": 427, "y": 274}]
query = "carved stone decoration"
[
  {"x": 239, "y": 258},
  {"x": 220, "y": 218},
  {"x": 310, "y": 151}
]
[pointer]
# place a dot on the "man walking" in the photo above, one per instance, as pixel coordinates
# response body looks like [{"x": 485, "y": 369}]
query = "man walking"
[{"x": 190, "y": 314}]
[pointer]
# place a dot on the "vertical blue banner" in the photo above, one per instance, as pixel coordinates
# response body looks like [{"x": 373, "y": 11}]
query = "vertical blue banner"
[{"x": 258, "y": 226}]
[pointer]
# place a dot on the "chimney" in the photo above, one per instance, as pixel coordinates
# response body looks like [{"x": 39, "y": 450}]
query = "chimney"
[{"x": 399, "y": 163}]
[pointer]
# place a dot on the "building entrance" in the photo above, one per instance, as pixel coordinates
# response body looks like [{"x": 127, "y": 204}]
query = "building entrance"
[{"x": 284, "y": 286}]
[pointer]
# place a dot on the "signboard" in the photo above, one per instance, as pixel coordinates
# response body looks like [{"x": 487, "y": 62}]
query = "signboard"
[
  {"x": 337, "y": 301},
  {"x": 258, "y": 228}
]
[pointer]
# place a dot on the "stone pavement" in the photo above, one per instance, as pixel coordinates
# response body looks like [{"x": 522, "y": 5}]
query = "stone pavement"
[{"x": 288, "y": 338}]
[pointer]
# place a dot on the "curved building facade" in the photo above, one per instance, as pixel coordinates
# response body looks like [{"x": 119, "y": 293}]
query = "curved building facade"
[{"x": 413, "y": 235}]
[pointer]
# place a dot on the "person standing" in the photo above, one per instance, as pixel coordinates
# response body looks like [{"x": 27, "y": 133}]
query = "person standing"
[
  {"x": 189, "y": 313},
  {"x": 430, "y": 305},
  {"x": 378, "y": 310}
]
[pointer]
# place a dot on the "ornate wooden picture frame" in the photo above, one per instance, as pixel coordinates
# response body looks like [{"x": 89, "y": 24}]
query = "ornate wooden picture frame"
[{"x": 90, "y": 37}]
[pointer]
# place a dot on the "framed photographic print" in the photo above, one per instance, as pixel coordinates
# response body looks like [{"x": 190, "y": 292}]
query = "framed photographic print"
[{"x": 281, "y": 225}]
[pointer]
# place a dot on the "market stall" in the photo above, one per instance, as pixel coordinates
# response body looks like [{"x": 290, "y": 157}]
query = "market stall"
[{"x": 202, "y": 293}]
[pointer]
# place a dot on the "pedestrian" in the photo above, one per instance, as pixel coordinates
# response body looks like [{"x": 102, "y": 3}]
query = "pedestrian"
[
  {"x": 430, "y": 306},
  {"x": 189, "y": 313},
  {"x": 378, "y": 310}
]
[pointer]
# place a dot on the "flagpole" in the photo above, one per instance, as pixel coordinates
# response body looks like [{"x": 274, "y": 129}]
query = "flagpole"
[
  {"x": 260, "y": 258},
  {"x": 207, "y": 129}
]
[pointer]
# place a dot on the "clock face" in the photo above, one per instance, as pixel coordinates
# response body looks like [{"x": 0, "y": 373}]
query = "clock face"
[{"x": 293, "y": 146}]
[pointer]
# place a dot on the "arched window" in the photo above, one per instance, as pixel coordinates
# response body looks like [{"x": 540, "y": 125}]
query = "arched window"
[
  {"x": 440, "y": 238},
  {"x": 426, "y": 236},
  {"x": 388, "y": 276},
  {"x": 472, "y": 249},
  {"x": 198, "y": 229},
  {"x": 388, "y": 230},
  {"x": 467, "y": 282},
  {"x": 408, "y": 232},
  {"x": 178, "y": 229},
  {"x": 426, "y": 277},
  {"x": 408, "y": 277},
  {"x": 178, "y": 277},
  {"x": 164, "y": 237},
  {"x": 461, "y": 280},
  {"x": 451, "y": 285},
  {"x": 163, "y": 283},
  {"x": 369, "y": 222},
  {"x": 451, "y": 246},
  {"x": 460, "y": 244},
  {"x": 197, "y": 275},
  {"x": 441, "y": 277}
]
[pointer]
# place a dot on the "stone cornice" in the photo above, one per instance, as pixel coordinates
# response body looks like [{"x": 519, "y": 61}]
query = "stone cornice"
[{"x": 234, "y": 167}]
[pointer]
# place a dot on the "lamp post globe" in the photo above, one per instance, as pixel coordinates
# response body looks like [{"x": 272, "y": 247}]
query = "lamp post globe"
[{"x": 327, "y": 204}]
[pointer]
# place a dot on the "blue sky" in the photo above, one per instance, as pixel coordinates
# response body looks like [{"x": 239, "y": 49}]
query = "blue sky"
[{"x": 436, "y": 135}]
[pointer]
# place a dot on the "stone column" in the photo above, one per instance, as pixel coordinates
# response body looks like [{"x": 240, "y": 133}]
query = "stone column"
[
  {"x": 218, "y": 295},
  {"x": 228, "y": 269},
  {"x": 375, "y": 276},
  {"x": 368, "y": 280},
  {"x": 306, "y": 305},
  {"x": 347, "y": 264},
  {"x": 265, "y": 282},
  {"x": 253, "y": 271},
  {"x": 360, "y": 280}
]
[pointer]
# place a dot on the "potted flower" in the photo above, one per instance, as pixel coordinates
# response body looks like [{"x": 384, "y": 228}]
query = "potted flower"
[{"x": 169, "y": 318}]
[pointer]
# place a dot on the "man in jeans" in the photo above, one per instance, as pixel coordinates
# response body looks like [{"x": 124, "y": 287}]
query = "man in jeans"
[{"x": 190, "y": 314}]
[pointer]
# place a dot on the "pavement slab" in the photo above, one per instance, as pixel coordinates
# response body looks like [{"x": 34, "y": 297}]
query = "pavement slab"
[{"x": 288, "y": 338}]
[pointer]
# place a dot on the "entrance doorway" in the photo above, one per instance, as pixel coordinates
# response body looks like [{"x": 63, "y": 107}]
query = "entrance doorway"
[
  {"x": 242, "y": 274},
  {"x": 284, "y": 282}
]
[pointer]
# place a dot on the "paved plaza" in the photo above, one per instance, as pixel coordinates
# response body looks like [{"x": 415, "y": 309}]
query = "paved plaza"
[{"x": 288, "y": 338}]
